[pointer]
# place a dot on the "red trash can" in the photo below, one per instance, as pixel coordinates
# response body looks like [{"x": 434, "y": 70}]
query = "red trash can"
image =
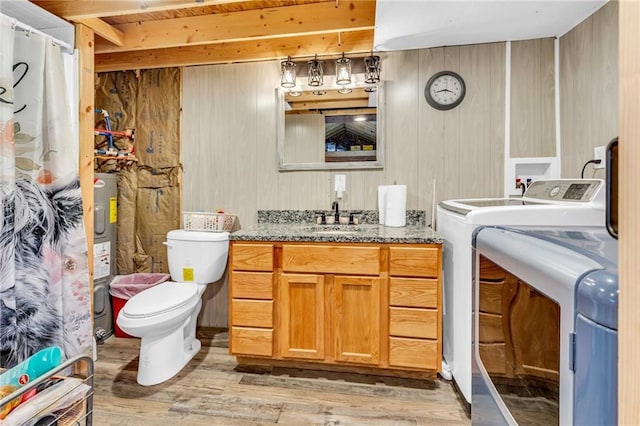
[{"x": 124, "y": 287}]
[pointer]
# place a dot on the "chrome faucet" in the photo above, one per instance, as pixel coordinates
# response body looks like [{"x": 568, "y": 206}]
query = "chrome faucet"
[{"x": 335, "y": 208}]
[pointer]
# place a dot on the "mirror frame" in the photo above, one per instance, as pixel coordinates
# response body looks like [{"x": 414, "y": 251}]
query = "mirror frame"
[{"x": 346, "y": 165}]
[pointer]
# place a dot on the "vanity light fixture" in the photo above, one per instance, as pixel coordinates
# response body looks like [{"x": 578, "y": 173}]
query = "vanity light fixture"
[
  {"x": 372, "y": 69},
  {"x": 319, "y": 92},
  {"x": 370, "y": 89},
  {"x": 294, "y": 93},
  {"x": 288, "y": 77},
  {"x": 343, "y": 71},
  {"x": 315, "y": 72},
  {"x": 345, "y": 90}
]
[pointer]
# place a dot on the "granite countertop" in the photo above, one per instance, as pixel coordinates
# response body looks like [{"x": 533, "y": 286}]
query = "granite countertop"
[{"x": 365, "y": 233}]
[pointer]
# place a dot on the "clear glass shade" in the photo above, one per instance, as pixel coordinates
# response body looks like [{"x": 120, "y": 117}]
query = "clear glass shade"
[
  {"x": 343, "y": 71},
  {"x": 288, "y": 70}
]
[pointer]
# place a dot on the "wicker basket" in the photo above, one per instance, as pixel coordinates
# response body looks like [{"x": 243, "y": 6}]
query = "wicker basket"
[{"x": 212, "y": 222}]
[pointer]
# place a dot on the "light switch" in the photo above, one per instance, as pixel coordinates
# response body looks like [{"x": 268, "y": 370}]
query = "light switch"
[{"x": 340, "y": 183}]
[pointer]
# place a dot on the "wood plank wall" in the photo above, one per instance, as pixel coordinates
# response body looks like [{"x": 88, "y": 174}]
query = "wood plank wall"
[
  {"x": 589, "y": 89},
  {"x": 533, "y": 127},
  {"x": 229, "y": 117}
]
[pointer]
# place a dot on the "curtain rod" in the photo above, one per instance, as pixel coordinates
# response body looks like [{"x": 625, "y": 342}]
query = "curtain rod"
[{"x": 21, "y": 26}]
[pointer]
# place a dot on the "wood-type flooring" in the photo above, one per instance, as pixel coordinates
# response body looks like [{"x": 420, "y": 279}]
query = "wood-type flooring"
[{"x": 211, "y": 390}]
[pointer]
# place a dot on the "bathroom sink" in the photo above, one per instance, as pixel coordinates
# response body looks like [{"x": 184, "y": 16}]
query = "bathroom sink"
[{"x": 335, "y": 232}]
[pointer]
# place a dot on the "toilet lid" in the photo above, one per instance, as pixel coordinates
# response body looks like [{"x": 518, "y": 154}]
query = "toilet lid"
[{"x": 160, "y": 299}]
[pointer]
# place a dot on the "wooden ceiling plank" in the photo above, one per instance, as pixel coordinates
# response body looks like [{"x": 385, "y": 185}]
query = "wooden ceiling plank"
[
  {"x": 311, "y": 105},
  {"x": 290, "y": 21},
  {"x": 74, "y": 10},
  {"x": 356, "y": 42},
  {"x": 308, "y": 95},
  {"x": 104, "y": 30}
]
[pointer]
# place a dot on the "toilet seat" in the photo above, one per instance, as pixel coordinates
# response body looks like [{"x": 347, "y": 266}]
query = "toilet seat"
[{"x": 161, "y": 299}]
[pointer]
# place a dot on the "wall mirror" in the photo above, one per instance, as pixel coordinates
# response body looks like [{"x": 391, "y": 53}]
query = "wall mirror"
[{"x": 331, "y": 128}]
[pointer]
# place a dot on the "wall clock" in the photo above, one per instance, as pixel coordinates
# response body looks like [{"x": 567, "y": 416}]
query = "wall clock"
[{"x": 445, "y": 90}]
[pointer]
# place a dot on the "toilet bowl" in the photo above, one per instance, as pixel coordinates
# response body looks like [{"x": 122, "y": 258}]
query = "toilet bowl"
[{"x": 164, "y": 316}]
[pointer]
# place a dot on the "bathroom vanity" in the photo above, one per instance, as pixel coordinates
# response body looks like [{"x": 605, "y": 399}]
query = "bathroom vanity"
[{"x": 346, "y": 298}]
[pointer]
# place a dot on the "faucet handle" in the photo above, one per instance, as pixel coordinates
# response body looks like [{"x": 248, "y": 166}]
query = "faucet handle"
[
  {"x": 352, "y": 219},
  {"x": 320, "y": 217}
]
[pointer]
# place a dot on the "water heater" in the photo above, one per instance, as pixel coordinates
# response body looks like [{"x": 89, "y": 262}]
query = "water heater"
[{"x": 105, "y": 217}]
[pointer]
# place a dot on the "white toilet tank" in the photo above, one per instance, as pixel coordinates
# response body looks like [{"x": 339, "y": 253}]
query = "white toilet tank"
[{"x": 197, "y": 256}]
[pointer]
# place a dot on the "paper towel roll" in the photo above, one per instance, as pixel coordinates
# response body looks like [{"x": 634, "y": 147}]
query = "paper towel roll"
[
  {"x": 395, "y": 211},
  {"x": 382, "y": 194}
]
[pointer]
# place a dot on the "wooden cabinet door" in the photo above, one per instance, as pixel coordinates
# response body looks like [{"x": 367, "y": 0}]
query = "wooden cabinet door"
[
  {"x": 356, "y": 321},
  {"x": 301, "y": 306}
]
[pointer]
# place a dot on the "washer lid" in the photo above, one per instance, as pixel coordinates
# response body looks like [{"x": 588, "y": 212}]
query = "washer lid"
[
  {"x": 161, "y": 298},
  {"x": 185, "y": 235}
]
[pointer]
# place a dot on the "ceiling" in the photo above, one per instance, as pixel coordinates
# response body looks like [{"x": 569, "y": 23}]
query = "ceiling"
[
  {"x": 357, "y": 101},
  {"x": 137, "y": 34},
  {"x": 416, "y": 24}
]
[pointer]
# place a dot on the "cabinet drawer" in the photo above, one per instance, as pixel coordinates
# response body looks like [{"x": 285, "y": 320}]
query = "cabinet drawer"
[
  {"x": 413, "y": 292},
  {"x": 493, "y": 356},
  {"x": 413, "y": 322},
  {"x": 251, "y": 341},
  {"x": 489, "y": 271},
  {"x": 252, "y": 285},
  {"x": 490, "y": 328},
  {"x": 490, "y": 297},
  {"x": 252, "y": 257},
  {"x": 414, "y": 261},
  {"x": 252, "y": 313},
  {"x": 414, "y": 353},
  {"x": 331, "y": 259}
]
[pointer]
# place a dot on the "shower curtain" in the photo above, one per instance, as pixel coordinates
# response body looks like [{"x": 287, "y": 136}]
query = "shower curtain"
[{"x": 44, "y": 284}]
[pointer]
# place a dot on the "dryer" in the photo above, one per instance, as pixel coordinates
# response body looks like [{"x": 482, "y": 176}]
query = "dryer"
[
  {"x": 545, "y": 326},
  {"x": 556, "y": 202}
]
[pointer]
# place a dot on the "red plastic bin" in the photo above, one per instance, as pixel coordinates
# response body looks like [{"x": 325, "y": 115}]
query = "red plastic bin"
[{"x": 124, "y": 287}]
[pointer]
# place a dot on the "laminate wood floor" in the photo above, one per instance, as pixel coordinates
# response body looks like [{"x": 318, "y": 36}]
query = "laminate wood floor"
[{"x": 210, "y": 390}]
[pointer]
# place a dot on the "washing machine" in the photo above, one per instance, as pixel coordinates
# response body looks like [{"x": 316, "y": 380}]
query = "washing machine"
[
  {"x": 561, "y": 202},
  {"x": 105, "y": 218},
  {"x": 545, "y": 329}
]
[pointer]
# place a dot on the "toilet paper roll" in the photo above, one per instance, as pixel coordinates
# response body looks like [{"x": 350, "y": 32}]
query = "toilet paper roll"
[{"x": 395, "y": 212}]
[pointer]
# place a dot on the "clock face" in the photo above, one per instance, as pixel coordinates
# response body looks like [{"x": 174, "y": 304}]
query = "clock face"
[{"x": 445, "y": 90}]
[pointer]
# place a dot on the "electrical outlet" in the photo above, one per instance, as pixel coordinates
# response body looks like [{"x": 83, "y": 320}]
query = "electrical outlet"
[
  {"x": 598, "y": 154},
  {"x": 341, "y": 183}
]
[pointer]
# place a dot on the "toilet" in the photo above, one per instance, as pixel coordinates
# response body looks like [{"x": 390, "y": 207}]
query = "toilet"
[{"x": 164, "y": 316}]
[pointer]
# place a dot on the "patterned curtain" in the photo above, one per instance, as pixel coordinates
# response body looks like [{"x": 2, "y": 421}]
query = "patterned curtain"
[{"x": 44, "y": 284}]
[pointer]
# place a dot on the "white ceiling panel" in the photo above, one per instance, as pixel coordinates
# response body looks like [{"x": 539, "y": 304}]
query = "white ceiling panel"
[{"x": 417, "y": 24}]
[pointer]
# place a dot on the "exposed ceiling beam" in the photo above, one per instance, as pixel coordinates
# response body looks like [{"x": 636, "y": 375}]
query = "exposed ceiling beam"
[
  {"x": 355, "y": 42},
  {"x": 75, "y": 10},
  {"x": 104, "y": 30},
  {"x": 290, "y": 21}
]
